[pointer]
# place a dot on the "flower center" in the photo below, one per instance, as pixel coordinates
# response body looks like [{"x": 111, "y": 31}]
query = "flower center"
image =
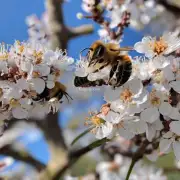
[
  {"x": 126, "y": 95},
  {"x": 113, "y": 167},
  {"x": 36, "y": 74},
  {"x": 97, "y": 121},
  {"x": 105, "y": 109},
  {"x": 38, "y": 55},
  {"x": 21, "y": 49},
  {"x": 158, "y": 76},
  {"x": 159, "y": 46},
  {"x": 14, "y": 103},
  {"x": 4, "y": 56},
  {"x": 154, "y": 99}
]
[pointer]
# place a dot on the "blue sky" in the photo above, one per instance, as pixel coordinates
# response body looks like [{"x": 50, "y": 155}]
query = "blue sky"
[{"x": 13, "y": 27}]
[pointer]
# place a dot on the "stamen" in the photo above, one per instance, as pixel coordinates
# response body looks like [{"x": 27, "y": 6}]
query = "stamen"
[{"x": 126, "y": 95}]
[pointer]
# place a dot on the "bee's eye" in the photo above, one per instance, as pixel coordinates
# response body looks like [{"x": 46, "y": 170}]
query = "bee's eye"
[{"x": 98, "y": 52}]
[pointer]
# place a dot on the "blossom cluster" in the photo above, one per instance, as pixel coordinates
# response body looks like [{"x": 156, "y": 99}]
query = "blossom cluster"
[
  {"x": 29, "y": 80},
  {"x": 149, "y": 16},
  {"x": 148, "y": 103},
  {"x": 38, "y": 29}
]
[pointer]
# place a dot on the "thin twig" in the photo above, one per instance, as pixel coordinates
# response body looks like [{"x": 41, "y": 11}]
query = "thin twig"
[
  {"x": 23, "y": 156},
  {"x": 75, "y": 155}
]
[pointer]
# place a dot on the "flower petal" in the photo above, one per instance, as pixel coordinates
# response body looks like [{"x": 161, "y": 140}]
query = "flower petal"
[
  {"x": 175, "y": 127},
  {"x": 113, "y": 117},
  {"x": 19, "y": 113},
  {"x": 157, "y": 125},
  {"x": 125, "y": 133},
  {"x": 137, "y": 126},
  {"x": 38, "y": 85},
  {"x": 135, "y": 86},
  {"x": 111, "y": 95},
  {"x": 165, "y": 108},
  {"x": 153, "y": 156},
  {"x": 176, "y": 86},
  {"x": 165, "y": 145},
  {"x": 175, "y": 114},
  {"x": 150, "y": 115},
  {"x": 150, "y": 132},
  {"x": 139, "y": 47}
]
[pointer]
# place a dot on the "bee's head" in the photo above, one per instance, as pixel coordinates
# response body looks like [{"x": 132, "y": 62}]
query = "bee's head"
[{"x": 96, "y": 56}]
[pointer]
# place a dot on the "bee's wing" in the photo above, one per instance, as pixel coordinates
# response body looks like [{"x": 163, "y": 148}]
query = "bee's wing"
[{"x": 126, "y": 48}]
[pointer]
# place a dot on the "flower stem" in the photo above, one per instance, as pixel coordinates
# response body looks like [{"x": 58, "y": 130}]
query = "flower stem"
[{"x": 133, "y": 162}]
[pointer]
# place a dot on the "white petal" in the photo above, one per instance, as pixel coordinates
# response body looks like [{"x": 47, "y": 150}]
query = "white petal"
[
  {"x": 99, "y": 134},
  {"x": 157, "y": 125},
  {"x": 126, "y": 133},
  {"x": 50, "y": 84},
  {"x": 103, "y": 166},
  {"x": 23, "y": 84},
  {"x": 139, "y": 47},
  {"x": 113, "y": 117},
  {"x": 153, "y": 156},
  {"x": 175, "y": 114},
  {"x": 168, "y": 74},
  {"x": 142, "y": 98},
  {"x": 175, "y": 85},
  {"x": 26, "y": 66},
  {"x": 168, "y": 135},
  {"x": 43, "y": 69},
  {"x": 38, "y": 85},
  {"x": 165, "y": 145},
  {"x": 136, "y": 87},
  {"x": 47, "y": 55},
  {"x": 118, "y": 159},
  {"x": 165, "y": 108},
  {"x": 19, "y": 113},
  {"x": 176, "y": 148},
  {"x": 137, "y": 126},
  {"x": 150, "y": 132},
  {"x": 111, "y": 95},
  {"x": 175, "y": 127},
  {"x": 150, "y": 115}
]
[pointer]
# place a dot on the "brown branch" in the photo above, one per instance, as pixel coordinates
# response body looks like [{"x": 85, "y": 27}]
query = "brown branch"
[
  {"x": 60, "y": 34},
  {"x": 81, "y": 30},
  {"x": 57, "y": 148},
  {"x": 23, "y": 156},
  {"x": 170, "y": 7},
  {"x": 75, "y": 155}
]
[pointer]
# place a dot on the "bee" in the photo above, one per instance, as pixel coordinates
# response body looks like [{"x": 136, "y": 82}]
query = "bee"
[
  {"x": 58, "y": 91},
  {"x": 101, "y": 55}
]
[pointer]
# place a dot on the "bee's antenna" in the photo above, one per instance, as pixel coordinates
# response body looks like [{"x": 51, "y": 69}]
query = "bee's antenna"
[
  {"x": 67, "y": 95},
  {"x": 84, "y": 50}
]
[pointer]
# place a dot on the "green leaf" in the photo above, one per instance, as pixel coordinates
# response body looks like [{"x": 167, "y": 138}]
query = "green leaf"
[
  {"x": 81, "y": 135},
  {"x": 97, "y": 143}
]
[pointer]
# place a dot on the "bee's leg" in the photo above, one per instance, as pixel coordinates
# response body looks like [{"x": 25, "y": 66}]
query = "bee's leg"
[{"x": 67, "y": 96}]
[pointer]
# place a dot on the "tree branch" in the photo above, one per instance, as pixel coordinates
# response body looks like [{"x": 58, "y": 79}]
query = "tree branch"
[
  {"x": 81, "y": 30},
  {"x": 60, "y": 33},
  {"x": 57, "y": 147},
  {"x": 23, "y": 156},
  {"x": 75, "y": 155}
]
